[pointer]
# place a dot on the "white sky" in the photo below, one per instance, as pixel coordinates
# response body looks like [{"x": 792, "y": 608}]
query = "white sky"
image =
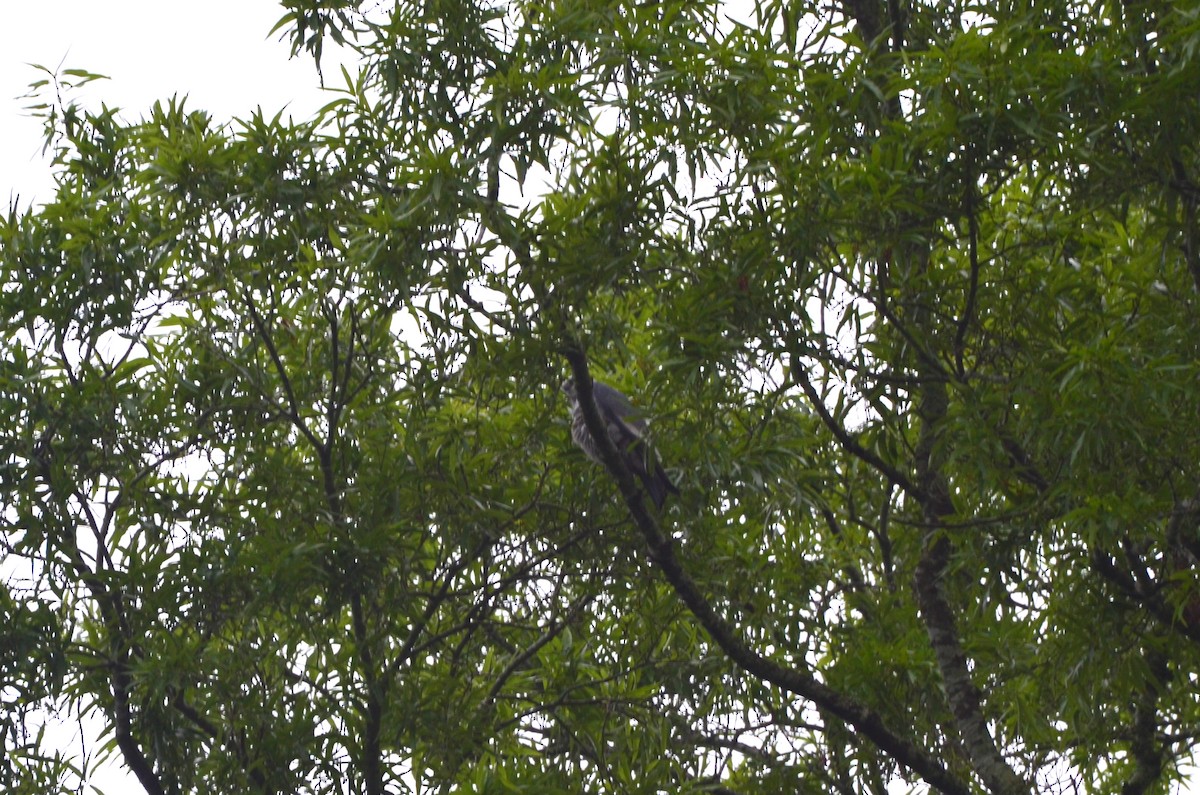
[{"x": 214, "y": 52}]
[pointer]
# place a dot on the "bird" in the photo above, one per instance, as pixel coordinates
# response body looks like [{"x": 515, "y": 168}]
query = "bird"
[{"x": 626, "y": 430}]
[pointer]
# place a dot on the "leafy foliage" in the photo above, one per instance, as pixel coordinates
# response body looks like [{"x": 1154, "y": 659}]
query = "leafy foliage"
[{"x": 909, "y": 289}]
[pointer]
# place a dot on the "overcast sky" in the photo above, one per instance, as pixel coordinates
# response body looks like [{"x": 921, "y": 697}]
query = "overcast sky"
[{"x": 216, "y": 52}]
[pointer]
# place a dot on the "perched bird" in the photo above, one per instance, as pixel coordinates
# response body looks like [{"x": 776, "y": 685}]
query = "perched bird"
[{"x": 626, "y": 430}]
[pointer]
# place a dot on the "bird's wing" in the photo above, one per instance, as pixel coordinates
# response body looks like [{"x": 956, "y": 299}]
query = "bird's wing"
[
  {"x": 616, "y": 408},
  {"x": 626, "y": 429}
]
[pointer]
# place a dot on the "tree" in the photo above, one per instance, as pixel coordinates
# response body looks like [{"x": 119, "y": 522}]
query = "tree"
[{"x": 909, "y": 290}]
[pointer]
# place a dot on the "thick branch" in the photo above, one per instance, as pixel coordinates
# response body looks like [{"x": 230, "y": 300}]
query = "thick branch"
[
  {"x": 372, "y": 753},
  {"x": 961, "y": 693},
  {"x": 963, "y": 696},
  {"x": 1144, "y": 750},
  {"x": 795, "y": 681}
]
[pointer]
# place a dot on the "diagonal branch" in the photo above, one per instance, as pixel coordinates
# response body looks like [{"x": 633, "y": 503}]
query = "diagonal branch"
[
  {"x": 796, "y": 681},
  {"x": 293, "y": 412},
  {"x": 847, "y": 440},
  {"x": 519, "y": 659}
]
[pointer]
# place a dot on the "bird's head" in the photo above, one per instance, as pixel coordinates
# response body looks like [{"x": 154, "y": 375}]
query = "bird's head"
[{"x": 568, "y": 389}]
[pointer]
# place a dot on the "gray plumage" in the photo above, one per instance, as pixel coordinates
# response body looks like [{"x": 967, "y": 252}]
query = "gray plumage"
[{"x": 626, "y": 430}]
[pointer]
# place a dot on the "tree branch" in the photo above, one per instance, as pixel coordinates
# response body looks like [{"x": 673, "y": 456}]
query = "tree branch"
[
  {"x": 963, "y": 696},
  {"x": 961, "y": 693},
  {"x": 1144, "y": 749},
  {"x": 108, "y": 596},
  {"x": 847, "y": 441},
  {"x": 968, "y": 312},
  {"x": 792, "y": 680},
  {"x": 1147, "y": 598}
]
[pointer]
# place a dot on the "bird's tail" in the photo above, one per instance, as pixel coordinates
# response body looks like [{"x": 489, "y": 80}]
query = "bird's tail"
[{"x": 658, "y": 486}]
